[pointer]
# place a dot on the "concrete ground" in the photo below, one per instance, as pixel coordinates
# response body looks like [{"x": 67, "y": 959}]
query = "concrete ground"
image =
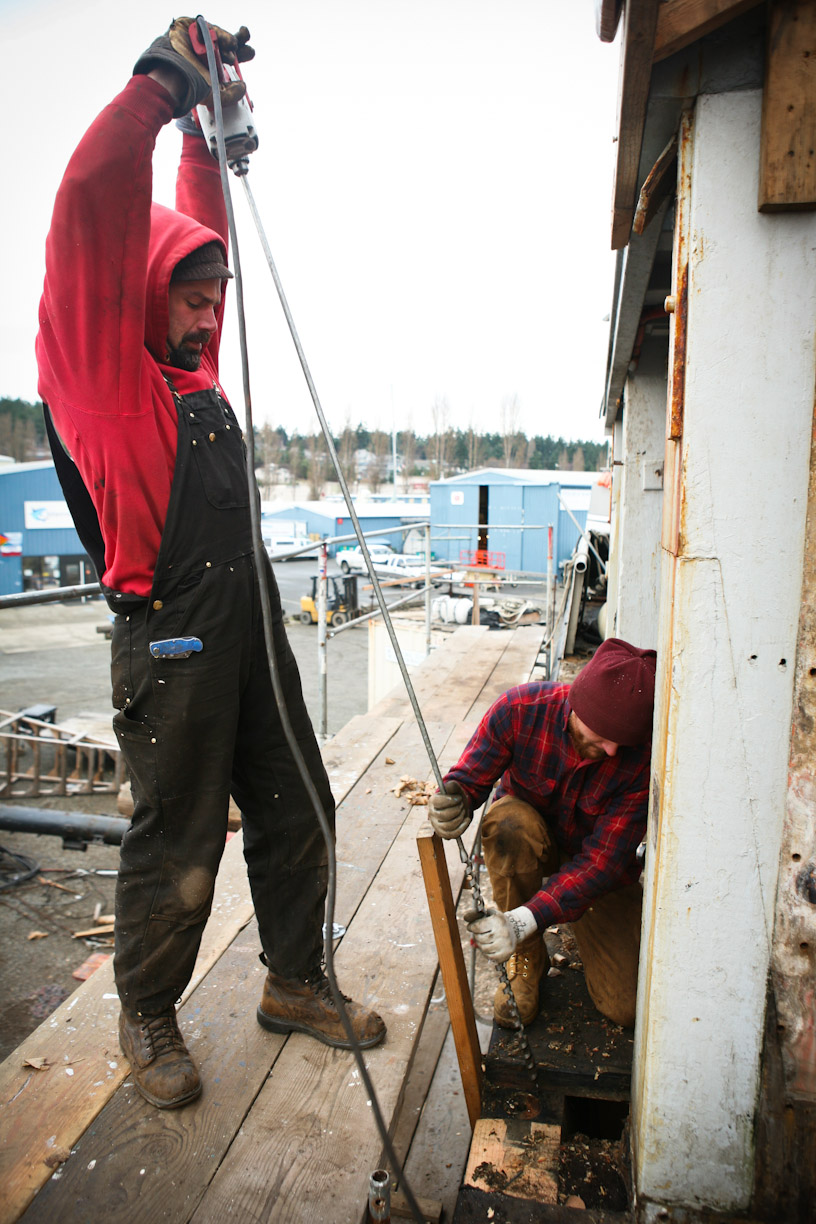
[{"x": 52, "y": 654}]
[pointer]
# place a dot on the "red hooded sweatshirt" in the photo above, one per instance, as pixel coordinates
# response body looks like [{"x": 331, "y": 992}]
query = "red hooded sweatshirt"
[{"x": 104, "y": 318}]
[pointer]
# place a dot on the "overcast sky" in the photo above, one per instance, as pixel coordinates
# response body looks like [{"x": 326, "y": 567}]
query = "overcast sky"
[{"x": 434, "y": 177}]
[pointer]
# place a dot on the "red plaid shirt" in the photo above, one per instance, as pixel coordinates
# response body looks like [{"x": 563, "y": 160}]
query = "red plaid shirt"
[{"x": 596, "y": 810}]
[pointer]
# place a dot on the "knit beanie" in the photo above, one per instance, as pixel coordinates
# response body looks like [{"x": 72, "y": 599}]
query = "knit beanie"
[
  {"x": 614, "y": 694},
  {"x": 204, "y": 263}
]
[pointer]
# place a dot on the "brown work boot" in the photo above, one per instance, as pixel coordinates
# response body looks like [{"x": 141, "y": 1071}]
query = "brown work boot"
[
  {"x": 305, "y": 1005},
  {"x": 163, "y": 1071},
  {"x": 525, "y": 969}
]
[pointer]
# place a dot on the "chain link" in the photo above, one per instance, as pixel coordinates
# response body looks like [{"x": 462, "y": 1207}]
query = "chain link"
[{"x": 472, "y": 876}]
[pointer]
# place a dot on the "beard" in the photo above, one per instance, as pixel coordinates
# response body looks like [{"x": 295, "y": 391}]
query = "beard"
[
  {"x": 183, "y": 358},
  {"x": 586, "y": 749}
]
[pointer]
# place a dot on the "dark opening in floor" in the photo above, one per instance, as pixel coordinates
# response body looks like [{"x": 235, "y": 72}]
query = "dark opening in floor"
[{"x": 594, "y": 1118}]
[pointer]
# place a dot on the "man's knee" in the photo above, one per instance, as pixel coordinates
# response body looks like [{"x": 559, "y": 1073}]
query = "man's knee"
[{"x": 514, "y": 837}]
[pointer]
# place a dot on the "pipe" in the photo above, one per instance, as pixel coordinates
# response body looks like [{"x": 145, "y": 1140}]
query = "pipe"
[
  {"x": 73, "y": 827},
  {"x": 322, "y": 660},
  {"x": 427, "y": 589},
  {"x": 54, "y": 595},
  {"x": 379, "y": 1197}
]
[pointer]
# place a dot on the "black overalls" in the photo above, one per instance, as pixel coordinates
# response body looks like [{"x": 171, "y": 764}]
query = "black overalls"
[{"x": 194, "y": 729}]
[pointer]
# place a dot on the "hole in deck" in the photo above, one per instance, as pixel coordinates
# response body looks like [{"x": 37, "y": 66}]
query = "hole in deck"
[
  {"x": 597, "y": 1119},
  {"x": 592, "y": 1157}
]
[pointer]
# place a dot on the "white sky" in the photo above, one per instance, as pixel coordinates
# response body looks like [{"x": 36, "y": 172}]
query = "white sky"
[{"x": 434, "y": 178}]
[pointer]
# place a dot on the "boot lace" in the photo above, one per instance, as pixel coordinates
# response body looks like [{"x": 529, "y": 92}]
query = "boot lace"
[
  {"x": 317, "y": 982},
  {"x": 518, "y": 965},
  {"x": 163, "y": 1036}
]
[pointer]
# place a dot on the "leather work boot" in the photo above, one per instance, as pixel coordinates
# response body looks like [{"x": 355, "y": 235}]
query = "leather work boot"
[
  {"x": 305, "y": 1005},
  {"x": 525, "y": 969},
  {"x": 163, "y": 1071}
]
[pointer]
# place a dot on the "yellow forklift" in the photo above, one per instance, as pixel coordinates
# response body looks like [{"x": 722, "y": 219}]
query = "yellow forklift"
[{"x": 341, "y": 601}]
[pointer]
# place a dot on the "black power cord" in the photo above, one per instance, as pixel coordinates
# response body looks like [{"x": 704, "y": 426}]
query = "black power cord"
[{"x": 260, "y": 559}]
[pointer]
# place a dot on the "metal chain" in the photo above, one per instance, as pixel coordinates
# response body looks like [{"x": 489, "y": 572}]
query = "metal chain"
[{"x": 472, "y": 877}]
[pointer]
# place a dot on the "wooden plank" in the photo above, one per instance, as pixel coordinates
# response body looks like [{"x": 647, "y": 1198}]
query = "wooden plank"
[
  {"x": 452, "y": 965},
  {"x": 367, "y": 823},
  {"x": 349, "y": 753},
  {"x": 435, "y": 1029},
  {"x": 639, "y": 22},
  {"x": 308, "y": 1147},
  {"x": 661, "y": 182},
  {"x": 444, "y": 1128},
  {"x": 516, "y": 1156},
  {"x": 430, "y": 677},
  {"x": 514, "y": 667},
  {"x": 135, "y": 1163},
  {"x": 682, "y": 22},
  {"x": 787, "y": 157},
  {"x": 45, "y": 1112},
  {"x": 607, "y": 16},
  {"x": 477, "y": 1206}
]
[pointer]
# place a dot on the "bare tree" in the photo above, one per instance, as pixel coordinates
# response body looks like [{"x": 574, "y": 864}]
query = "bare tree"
[
  {"x": 578, "y": 461},
  {"x": 440, "y": 413},
  {"x": 346, "y": 451},
  {"x": 474, "y": 449},
  {"x": 408, "y": 448},
  {"x": 510, "y": 412},
  {"x": 375, "y": 473},
  {"x": 316, "y": 466}
]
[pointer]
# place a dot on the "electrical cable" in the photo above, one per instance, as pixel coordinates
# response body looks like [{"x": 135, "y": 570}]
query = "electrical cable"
[
  {"x": 30, "y": 868},
  {"x": 260, "y": 560}
]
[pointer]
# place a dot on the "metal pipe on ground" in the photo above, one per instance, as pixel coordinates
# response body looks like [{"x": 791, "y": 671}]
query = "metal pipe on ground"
[{"x": 74, "y": 828}]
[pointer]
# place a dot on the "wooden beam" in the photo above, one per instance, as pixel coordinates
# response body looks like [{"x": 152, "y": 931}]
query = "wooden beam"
[
  {"x": 607, "y": 16},
  {"x": 452, "y": 965},
  {"x": 660, "y": 182},
  {"x": 639, "y": 23},
  {"x": 682, "y": 22},
  {"x": 787, "y": 158}
]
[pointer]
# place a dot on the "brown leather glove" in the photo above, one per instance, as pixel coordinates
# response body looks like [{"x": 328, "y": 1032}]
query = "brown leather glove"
[{"x": 182, "y": 48}]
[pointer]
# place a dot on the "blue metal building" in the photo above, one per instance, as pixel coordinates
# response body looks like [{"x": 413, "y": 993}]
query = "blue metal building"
[
  {"x": 508, "y": 511},
  {"x": 39, "y": 546}
]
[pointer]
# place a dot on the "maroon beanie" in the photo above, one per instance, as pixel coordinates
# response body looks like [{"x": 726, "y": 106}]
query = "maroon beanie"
[{"x": 614, "y": 694}]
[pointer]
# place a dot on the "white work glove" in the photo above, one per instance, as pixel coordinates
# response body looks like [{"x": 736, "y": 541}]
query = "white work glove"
[
  {"x": 497, "y": 934},
  {"x": 449, "y": 811}
]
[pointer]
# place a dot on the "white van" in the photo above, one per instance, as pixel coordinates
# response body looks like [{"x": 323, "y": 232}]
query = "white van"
[{"x": 278, "y": 546}]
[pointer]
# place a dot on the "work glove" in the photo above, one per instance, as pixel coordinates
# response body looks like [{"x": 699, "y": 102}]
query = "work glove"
[
  {"x": 449, "y": 811},
  {"x": 182, "y": 48},
  {"x": 497, "y": 934}
]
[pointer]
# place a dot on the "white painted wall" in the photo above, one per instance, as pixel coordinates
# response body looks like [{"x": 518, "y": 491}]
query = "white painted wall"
[
  {"x": 637, "y": 536},
  {"x": 607, "y": 620},
  {"x": 725, "y": 672}
]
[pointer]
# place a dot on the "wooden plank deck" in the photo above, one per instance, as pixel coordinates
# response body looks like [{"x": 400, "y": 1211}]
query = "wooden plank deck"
[{"x": 282, "y": 1130}]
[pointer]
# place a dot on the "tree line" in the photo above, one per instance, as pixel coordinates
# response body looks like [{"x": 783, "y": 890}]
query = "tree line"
[{"x": 365, "y": 454}]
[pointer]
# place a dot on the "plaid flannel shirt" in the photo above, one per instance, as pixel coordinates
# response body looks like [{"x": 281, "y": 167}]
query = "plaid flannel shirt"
[{"x": 596, "y": 810}]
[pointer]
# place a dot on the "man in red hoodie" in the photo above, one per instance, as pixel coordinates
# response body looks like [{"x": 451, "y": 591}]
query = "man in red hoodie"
[
  {"x": 152, "y": 462},
  {"x": 560, "y": 841}
]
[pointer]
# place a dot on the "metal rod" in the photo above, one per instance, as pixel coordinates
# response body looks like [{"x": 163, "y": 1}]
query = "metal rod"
[
  {"x": 322, "y": 653},
  {"x": 409, "y": 688},
  {"x": 427, "y": 589},
  {"x": 359, "y": 620},
  {"x": 22, "y": 598},
  {"x": 76, "y": 826}
]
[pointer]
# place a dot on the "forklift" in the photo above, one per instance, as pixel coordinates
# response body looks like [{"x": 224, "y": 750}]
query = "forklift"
[{"x": 341, "y": 601}]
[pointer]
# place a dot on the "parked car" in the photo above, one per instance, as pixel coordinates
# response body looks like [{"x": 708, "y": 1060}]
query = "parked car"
[
  {"x": 405, "y": 568},
  {"x": 352, "y": 561},
  {"x": 279, "y": 546}
]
